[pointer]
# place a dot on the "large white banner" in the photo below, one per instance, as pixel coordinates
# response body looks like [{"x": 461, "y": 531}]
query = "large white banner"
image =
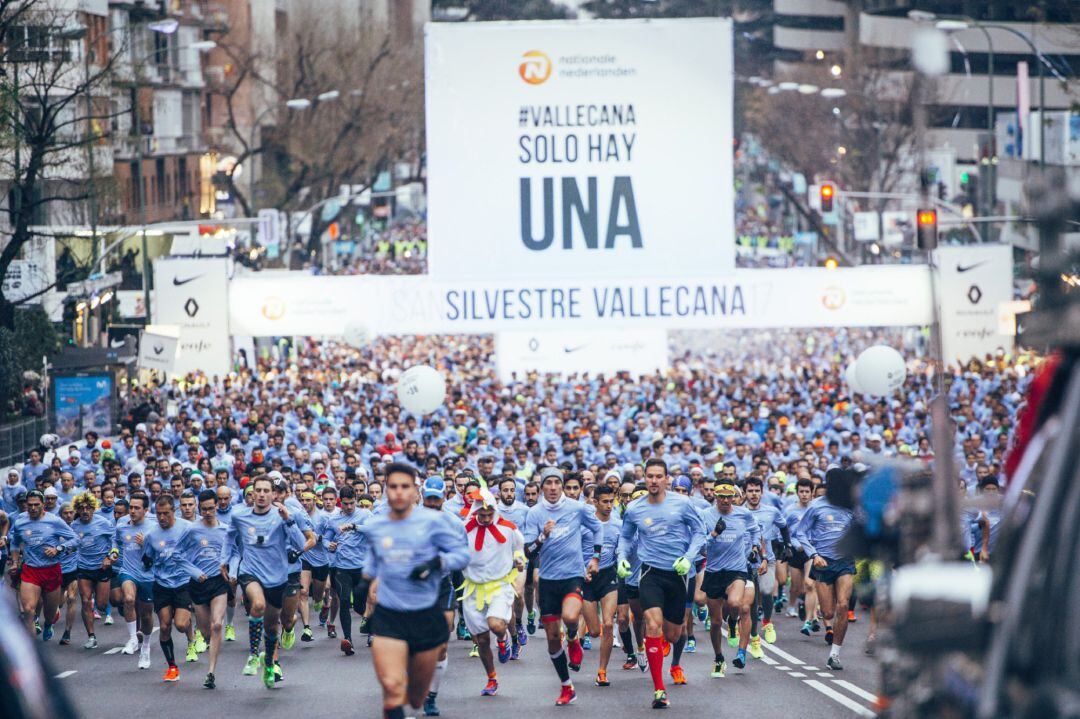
[
  {"x": 608, "y": 351},
  {"x": 580, "y": 149},
  {"x": 194, "y": 295},
  {"x": 975, "y": 281},
  {"x": 300, "y": 304}
]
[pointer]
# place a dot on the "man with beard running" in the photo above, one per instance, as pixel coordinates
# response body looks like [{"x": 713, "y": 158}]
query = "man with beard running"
[{"x": 669, "y": 534}]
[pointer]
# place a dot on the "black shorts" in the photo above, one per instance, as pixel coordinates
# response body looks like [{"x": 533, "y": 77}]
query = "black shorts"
[
  {"x": 66, "y": 578},
  {"x": 421, "y": 630},
  {"x": 715, "y": 584},
  {"x": 627, "y": 592},
  {"x": 691, "y": 590},
  {"x": 603, "y": 583},
  {"x": 95, "y": 575},
  {"x": 318, "y": 573},
  {"x": 273, "y": 595},
  {"x": 202, "y": 592},
  {"x": 777, "y": 548},
  {"x": 175, "y": 597},
  {"x": 833, "y": 570},
  {"x": 552, "y": 592},
  {"x": 798, "y": 560},
  {"x": 292, "y": 584},
  {"x": 663, "y": 588},
  {"x": 445, "y": 602}
]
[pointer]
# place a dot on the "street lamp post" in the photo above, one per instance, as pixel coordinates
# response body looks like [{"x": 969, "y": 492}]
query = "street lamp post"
[{"x": 963, "y": 23}]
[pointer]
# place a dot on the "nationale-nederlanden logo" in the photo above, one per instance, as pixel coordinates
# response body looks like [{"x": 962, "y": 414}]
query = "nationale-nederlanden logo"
[{"x": 535, "y": 67}]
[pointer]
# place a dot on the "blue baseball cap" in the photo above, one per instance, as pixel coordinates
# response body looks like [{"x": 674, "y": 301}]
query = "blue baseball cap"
[{"x": 434, "y": 487}]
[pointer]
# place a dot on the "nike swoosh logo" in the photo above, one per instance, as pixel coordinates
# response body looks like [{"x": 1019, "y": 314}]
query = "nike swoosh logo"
[
  {"x": 568, "y": 350},
  {"x": 177, "y": 281},
  {"x": 961, "y": 268}
]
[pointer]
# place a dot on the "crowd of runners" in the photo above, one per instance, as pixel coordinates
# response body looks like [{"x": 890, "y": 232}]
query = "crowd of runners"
[{"x": 646, "y": 517}]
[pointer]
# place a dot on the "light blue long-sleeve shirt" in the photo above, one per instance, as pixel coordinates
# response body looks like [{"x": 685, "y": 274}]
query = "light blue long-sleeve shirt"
[
  {"x": 822, "y": 527},
  {"x": 666, "y": 530},
  {"x": 397, "y": 546},
  {"x": 33, "y": 536},
  {"x": 130, "y": 549},
  {"x": 204, "y": 549},
  {"x": 560, "y": 552},
  {"x": 168, "y": 549},
  {"x": 727, "y": 551},
  {"x": 351, "y": 549},
  {"x": 263, "y": 541},
  {"x": 96, "y": 539}
]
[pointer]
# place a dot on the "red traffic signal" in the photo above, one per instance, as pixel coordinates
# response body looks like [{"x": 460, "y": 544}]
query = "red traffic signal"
[
  {"x": 926, "y": 232},
  {"x": 828, "y": 193}
]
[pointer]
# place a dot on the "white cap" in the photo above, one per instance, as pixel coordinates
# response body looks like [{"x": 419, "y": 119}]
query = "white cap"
[
  {"x": 75, "y": 453},
  {"x": 51, "y": 492}
]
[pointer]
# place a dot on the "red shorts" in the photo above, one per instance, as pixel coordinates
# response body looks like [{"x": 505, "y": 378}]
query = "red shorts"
[{"x": 48, "y": 578}]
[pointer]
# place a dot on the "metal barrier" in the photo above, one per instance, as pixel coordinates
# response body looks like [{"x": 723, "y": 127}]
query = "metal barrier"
[{"x": 18, "y": 437}]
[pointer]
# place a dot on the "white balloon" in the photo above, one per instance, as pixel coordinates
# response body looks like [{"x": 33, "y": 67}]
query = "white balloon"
[
  {"x": 356, "y": 334},
  {"x": 880, "y": 370},
  {"x": 851, "y": 379},
  {"x": 421, "y": 389}
]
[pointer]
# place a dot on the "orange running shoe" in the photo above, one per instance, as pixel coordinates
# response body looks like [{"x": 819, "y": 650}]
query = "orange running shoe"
[
  {"x": 601, "y": 677},
  {"x": 172, "y": 674},
  {"x": 667, "y": 647},
  {"x": 567, "y": 696},
  {"x": 630, "y": 663},
  {"x": 677, "y": 675},
  {"x": 851, "y": 616}
]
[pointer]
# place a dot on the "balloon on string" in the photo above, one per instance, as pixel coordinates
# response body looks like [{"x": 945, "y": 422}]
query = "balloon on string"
[
  {"x": 851, "y": 379},
  {"x": 421, "y": 389},
  {"x": 356, "y": 334},
  {"x": 880, "y": 370}
]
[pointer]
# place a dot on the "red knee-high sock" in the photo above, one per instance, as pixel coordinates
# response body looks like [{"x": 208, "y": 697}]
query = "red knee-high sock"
[{"x": 654, "y": 651}]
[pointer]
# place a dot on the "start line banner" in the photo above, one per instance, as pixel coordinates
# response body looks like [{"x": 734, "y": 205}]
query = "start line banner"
[{"x": 288, "y": 303}]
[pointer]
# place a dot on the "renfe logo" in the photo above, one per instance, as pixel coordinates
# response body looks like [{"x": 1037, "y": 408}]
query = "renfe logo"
[{"x": 535, "y": 69}]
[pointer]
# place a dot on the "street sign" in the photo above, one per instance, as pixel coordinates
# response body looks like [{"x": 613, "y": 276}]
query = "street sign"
[
  {"x": 867, "y": 226},
  {"x": 897, "y": 226},
  {"x": 269, "y": 228}
]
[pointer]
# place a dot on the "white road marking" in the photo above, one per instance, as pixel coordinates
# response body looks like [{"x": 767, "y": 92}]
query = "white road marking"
[
  {"x": 769, "y": 661},
  {"x": 810, "y": 668},
  {"x": 791, "y": 659},
  {"x": 782, "y": 668},
  {"x": 856, "y": 690},
  {"x": 797, "y": 674},
  {"x": 68, "y": 673},
  {"x": 840, "y": 698},
  {"x": 825, "y": 674},
  {"x": 114, "y": 650}
]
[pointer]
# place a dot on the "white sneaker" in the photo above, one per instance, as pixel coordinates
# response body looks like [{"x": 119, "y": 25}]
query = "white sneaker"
[
  {"x": 793, "y": 613},
  {"x": 144, "y": 660},
  {"x": 132, "y": 645},
  {"x": 108, "y": 620},
  {"x": 91, "y": 643}
]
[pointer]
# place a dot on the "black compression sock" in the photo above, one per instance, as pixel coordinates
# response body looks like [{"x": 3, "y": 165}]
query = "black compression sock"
[
  {"x": 561, "y": 666},
  {"x": 167, "y": 650},
  {"x": 627, "y": 640},
  {"x": 677, "y": 650}
]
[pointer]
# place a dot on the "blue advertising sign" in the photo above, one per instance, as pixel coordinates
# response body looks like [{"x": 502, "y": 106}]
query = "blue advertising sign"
[{"x": 82, "y": 403}]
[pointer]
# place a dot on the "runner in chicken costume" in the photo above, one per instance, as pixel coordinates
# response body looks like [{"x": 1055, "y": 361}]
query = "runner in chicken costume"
[{"x": 497, "y": 549}]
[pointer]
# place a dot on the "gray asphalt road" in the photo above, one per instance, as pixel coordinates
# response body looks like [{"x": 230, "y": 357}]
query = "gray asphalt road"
[{"x": 319, "y": 681}]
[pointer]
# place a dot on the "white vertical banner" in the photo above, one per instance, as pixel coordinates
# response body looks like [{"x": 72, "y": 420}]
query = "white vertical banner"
[
  {"x": 566, "y": 352},
  {"x": 974, "y": 281},
  {"x": 194, "y": 295}
]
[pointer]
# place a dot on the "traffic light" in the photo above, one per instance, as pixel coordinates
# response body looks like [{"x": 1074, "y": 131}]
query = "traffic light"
[
  {"x": 828, "y": 193},
  {"x": 926, "y": 235}
]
